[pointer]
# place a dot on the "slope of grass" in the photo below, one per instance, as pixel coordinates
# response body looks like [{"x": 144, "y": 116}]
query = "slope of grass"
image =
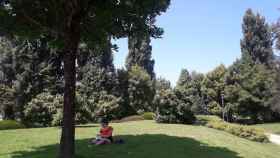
[
  {"x": 270, "y": 127},
  {"x": 242, "y": 131},
  {"x": 142, "y": 139}
]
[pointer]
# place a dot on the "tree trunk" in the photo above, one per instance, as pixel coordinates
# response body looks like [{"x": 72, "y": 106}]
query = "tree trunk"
[
  {"x": 9, "y": 113},
  {"x": 67, "y": 142}
]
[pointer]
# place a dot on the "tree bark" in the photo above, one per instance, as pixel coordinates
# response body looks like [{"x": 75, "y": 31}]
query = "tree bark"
[{"x": 72, "y": 38}]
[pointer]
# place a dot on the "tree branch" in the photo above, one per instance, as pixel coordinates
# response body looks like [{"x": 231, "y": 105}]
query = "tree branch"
[{"x": 57, "y": 34}]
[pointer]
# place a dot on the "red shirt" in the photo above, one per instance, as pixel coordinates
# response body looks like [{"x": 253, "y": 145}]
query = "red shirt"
[{"x": 106, "y": 132}]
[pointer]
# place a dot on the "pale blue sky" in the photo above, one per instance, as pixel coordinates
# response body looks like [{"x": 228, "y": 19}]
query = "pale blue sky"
[{"x": 200, "y": 34}]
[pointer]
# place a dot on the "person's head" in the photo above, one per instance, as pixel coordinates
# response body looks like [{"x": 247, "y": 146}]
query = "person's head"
[{"x": 104, "y": 122}]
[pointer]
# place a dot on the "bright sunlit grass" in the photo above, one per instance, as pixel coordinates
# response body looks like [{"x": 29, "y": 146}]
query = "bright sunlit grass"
[
  {"x": 270, "y": 127},
  {"x": 143, "y": 139}
]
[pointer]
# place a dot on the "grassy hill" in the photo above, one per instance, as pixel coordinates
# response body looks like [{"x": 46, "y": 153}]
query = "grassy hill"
[{"x": 142, "y": 139}]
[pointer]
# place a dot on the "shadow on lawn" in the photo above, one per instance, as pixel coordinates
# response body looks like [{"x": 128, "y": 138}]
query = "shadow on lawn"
[{"x": 138, "y": 146}]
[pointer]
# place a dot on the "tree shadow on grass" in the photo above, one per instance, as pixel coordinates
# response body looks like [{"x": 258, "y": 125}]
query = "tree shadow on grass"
[{"x": 138, "y": 146}]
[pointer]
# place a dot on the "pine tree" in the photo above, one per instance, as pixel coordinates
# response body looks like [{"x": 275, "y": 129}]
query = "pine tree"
[
  {"x": 249, "y": 90},
  {"x": 184, "y": 78},
  {"x": 183, "y": 87},
  {"x": 213, "y": 89},
  {"x": 162, "y": 84},
  {"x": 257, "y": 40},
  {"x": 197, "y": 96},
  {"x": 250, "y": 80},
  {"x": 189, "y": 90}
]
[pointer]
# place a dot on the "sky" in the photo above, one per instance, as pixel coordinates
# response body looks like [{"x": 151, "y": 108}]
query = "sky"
[{"x": 200, "y": 35}]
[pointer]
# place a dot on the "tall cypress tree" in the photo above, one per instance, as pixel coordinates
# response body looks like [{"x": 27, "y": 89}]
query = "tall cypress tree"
[
  {"x": 140, "y": 52},
  {"x": 139, "y": 60}
]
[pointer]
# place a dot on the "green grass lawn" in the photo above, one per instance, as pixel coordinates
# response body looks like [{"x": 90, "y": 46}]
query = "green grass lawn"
[
  {"x": 270, "y": 127},
  {"x": 143, "y": 139}
]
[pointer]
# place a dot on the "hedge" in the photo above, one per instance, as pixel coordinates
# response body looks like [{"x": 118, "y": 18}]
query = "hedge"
[
  {"x": 148, "y": 115},
  {"x": 10, "y": 124},
  {"x": 242, "y": 131}
]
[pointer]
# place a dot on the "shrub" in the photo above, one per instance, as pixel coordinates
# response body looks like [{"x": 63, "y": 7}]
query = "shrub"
[
  {"x": 47, "y": 110},
  {"x": 103, "y": 105},
  {"x": 57, "y": 118},
  {"x": 171, "y": 110},
  {"x": 108, "y": 106},
  {"x": 140, "y": 90},
  {"x": 10, "y": 124},
  {"x": 242, "y": 131},
  {"x": 214, "y": 108},
  {"x": 40, "y": 110},
  {"x": 166, "y": 103},
  {"x": 148, "y": 115},
  {"x": 92, "y": 107},
  {"x": 184, "y": 113},
  {"x": 83, "y": 113},
  {"x": 203, "y": 119}
]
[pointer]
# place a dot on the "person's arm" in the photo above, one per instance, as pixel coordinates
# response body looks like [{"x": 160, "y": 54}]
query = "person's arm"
[{"x": 100, "y": 133}]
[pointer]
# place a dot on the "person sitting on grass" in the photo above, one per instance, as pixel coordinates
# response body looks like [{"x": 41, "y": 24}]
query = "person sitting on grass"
[{"x": 105, "y": 135}]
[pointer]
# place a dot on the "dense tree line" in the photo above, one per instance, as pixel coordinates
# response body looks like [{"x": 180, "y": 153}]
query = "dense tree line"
[
  {"x": 27, "y": 69},
  {"x": 247, "y": 91},
  {"x": 32, "y": 71}
]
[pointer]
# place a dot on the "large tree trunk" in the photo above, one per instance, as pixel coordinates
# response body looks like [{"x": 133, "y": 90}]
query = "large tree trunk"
[{"x": 67, "y": 142}]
